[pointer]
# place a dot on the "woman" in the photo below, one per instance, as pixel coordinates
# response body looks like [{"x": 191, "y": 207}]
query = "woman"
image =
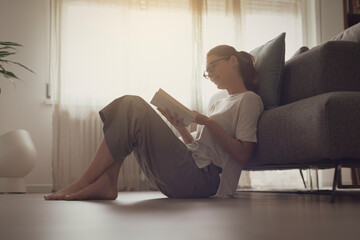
[{"x": 195, "y": 167}]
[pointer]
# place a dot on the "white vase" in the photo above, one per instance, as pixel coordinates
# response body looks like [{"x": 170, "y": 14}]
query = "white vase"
[{"x": 17, "y": 158}]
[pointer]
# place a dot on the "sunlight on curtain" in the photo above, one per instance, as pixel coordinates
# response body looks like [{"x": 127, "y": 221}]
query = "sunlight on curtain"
[
  {"x": 221, "y": 26},
  {"x": 247, "y": 24},
  {"x": 267, "y": 19},
  {"x": 103, "y": 49},
  {"x": 108, "y": 49},
  {"x": 112, "y": 50}
]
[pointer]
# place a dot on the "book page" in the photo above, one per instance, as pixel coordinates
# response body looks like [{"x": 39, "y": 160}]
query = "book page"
[{"x": 164, "y": 101}]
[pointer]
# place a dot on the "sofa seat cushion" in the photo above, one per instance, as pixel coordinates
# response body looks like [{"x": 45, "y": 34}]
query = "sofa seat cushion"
[{"x": 309, "y": 132}]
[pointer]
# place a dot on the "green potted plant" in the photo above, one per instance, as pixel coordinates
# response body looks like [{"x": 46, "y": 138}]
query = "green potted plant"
[
  {"x": 17, "y": 150},
  {"x": 8, "y": 49}
]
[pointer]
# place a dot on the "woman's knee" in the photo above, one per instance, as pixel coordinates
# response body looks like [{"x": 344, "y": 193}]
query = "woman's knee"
[{"x": 131, "y": 100}]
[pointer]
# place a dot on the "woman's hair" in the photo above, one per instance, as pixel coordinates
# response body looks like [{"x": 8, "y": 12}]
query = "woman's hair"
[{"x": 246, "y": 62}]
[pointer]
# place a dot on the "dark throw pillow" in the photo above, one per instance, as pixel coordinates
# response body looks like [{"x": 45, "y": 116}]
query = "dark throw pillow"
[{"x": 269, "y": 61}]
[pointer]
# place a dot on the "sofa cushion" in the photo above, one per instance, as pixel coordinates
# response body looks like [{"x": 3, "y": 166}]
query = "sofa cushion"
[
  {"x": 312, "y": 131},
  {"x": 329, "y": 67},
  {"x": 350, "y": 34},
  {"x": 269, "y": 60}
]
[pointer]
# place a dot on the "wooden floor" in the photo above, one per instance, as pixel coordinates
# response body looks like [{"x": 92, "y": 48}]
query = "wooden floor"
[{"x": 150, "y": 215}]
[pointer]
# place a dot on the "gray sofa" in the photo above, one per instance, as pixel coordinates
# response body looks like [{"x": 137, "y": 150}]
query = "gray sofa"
[
  {"x": 318, "y": 122},
  {"x": 313, "y": 119}
]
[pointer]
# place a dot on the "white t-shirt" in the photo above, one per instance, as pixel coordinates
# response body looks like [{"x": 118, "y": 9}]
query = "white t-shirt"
[{"x": 238, "y": 116}]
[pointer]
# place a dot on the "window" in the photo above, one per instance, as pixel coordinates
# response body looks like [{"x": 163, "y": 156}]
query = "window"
[{"x": 103, "y": 49}]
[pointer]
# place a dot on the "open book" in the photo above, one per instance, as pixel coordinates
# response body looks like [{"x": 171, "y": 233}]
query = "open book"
[{"x": 163, "y": 100}]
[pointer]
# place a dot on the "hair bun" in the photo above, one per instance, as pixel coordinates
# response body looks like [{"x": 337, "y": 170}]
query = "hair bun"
[{"x": 246, "y": 56}]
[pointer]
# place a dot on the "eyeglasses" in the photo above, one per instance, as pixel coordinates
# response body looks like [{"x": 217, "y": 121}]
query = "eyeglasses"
[{"x": 211, "y": 67}]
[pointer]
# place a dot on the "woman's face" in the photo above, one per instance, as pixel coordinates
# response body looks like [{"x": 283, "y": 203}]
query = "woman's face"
[{"x": 219, "y": 70}]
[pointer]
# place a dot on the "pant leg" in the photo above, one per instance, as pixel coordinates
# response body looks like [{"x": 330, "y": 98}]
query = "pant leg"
[{"x": 131, "y": 124}]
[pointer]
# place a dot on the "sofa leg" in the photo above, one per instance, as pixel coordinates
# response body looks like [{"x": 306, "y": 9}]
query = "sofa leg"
[
  {"x": 317, "y": 179},
  {"x": 335, "y": 182},
  {"x": 302, "y": 177}
]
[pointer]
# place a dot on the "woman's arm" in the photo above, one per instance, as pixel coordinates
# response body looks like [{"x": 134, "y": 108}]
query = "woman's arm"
[
  {"x": 239, "y": 150},
  {"x": 178, "y": 124},
  {"x": 185, "y": 134}
]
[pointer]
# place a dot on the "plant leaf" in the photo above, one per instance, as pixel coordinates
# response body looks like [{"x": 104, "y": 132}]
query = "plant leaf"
[
  {"x": 10, "y": 44},
  {"x": 9, "y": 75},
  {"x": 5, "y": 54},
  {"x": 21, "y": 66},
  {"x": 8, "y": 61},
  {"x": 7, "y": 47}
]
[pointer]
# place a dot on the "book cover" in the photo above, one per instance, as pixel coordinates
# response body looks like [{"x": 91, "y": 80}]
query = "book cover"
[{"x": 164, "y": 100}]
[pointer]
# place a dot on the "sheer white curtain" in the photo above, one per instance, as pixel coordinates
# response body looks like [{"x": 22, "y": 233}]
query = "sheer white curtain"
[
  {"x": 262, "y": 21},
  {"x": 247, "y": 24},
  {"x": 106, "y": 49},
  {"x": 103, "y": 49}
]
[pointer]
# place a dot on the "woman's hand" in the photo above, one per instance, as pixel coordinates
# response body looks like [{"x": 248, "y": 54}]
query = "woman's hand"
[
  {"x": 177, "y": 123},
  {"x": 201, "y": 119}
]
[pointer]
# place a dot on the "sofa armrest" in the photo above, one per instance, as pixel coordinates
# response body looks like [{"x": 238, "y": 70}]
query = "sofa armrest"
[
  {"x": 329, "y": 67},
  {"x": 315, "y": 130}
]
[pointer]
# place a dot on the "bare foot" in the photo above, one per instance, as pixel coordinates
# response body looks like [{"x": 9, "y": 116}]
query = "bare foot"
[
  {"x": 61, "y": 194},
  {"x": 105, "y": 188}
]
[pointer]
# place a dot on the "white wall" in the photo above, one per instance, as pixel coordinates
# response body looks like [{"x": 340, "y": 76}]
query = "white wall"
[
  {"x": 27, "y": 22},
  {"x": 331, "y": 18}
]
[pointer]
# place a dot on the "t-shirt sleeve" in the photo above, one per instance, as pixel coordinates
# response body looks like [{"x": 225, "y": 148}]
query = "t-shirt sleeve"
[{"x": 249, "y": 110}]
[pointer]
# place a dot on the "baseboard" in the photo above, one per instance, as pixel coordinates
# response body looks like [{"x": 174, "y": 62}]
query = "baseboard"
[{"x": 39, "y": 188}]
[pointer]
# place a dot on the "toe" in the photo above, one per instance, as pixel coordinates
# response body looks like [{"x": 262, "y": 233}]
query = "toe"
[
  {"x": 72, "y": 197},
  {"x": 48, "y": 197},
  {"x": 69, "y": 197},
  {"x": 59, "y": 197}
]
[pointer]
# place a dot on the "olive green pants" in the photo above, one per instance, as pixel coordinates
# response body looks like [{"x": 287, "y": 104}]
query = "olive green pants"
[{"x": 132, "y": 125}]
